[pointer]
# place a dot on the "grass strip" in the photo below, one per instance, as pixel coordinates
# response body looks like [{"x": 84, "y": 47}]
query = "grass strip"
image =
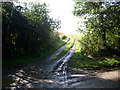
[{"x": 65, "y": 50}]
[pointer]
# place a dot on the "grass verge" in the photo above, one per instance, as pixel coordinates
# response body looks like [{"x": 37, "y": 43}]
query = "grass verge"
[
  {"x": 79, "y": 61},
  {"x": 21, "y": 61}
]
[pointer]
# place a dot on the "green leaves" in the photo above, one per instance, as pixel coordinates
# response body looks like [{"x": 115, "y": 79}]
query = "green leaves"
[
  {"x": 102, "y": 25},
  {"x": 27, "y": 29}
]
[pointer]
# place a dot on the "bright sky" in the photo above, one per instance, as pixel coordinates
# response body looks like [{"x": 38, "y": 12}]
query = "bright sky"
[{"x": 62, "y": 10}]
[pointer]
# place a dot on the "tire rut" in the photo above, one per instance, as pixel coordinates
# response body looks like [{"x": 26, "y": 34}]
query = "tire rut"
[{"x": 29, "y": 75}]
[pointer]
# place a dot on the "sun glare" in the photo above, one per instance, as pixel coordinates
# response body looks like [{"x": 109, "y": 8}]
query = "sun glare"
[{"x": 62, "y": 10}]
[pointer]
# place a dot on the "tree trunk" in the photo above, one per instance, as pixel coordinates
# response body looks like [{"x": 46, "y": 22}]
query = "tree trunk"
[
  {"x": 104, "y": 38},
  {"x": 103, "y": 32}
]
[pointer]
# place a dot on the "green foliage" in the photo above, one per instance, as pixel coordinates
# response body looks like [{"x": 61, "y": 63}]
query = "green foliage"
[
  {"x": 78, "y": 60},
  {"x": 100, "y": 45},
  {"x": 19, "y": 61},
  {"x": 27, "y": 30},
  {"x": 102, "y": 26}
]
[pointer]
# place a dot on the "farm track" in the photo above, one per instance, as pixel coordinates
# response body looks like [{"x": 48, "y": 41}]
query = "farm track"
[{"x": 58, "y": 75}]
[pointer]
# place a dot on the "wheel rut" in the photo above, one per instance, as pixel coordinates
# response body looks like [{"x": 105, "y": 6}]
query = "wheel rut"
[
  {"x": 56, "y": 75},
  {"x": 39, "y": 76}
]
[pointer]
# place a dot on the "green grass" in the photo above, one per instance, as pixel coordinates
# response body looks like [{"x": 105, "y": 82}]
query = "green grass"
[
  {"x": 20, "y": 61},
  {"x": 80, "y": 61},
  {"x": 65, "y": 50}
]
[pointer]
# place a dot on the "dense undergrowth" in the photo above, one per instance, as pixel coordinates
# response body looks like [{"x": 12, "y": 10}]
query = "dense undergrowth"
[
  {"x": 81, "y": 61},
  {"x": 20, "y": 61},
  {"x": 100, "y": 43},
  {"x": 29, "y": 34}
]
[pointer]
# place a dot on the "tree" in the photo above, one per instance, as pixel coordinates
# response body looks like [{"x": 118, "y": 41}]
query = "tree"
[
  {"x": 26, "y": 30},
  {"x": 102, "y": 23}
]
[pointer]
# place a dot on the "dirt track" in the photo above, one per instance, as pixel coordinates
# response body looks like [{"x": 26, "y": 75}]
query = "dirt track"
[{"x": 58, "y": 75}]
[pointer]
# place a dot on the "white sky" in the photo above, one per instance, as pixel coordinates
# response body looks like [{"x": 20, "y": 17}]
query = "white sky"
[{"x": 62, "y": 10}]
